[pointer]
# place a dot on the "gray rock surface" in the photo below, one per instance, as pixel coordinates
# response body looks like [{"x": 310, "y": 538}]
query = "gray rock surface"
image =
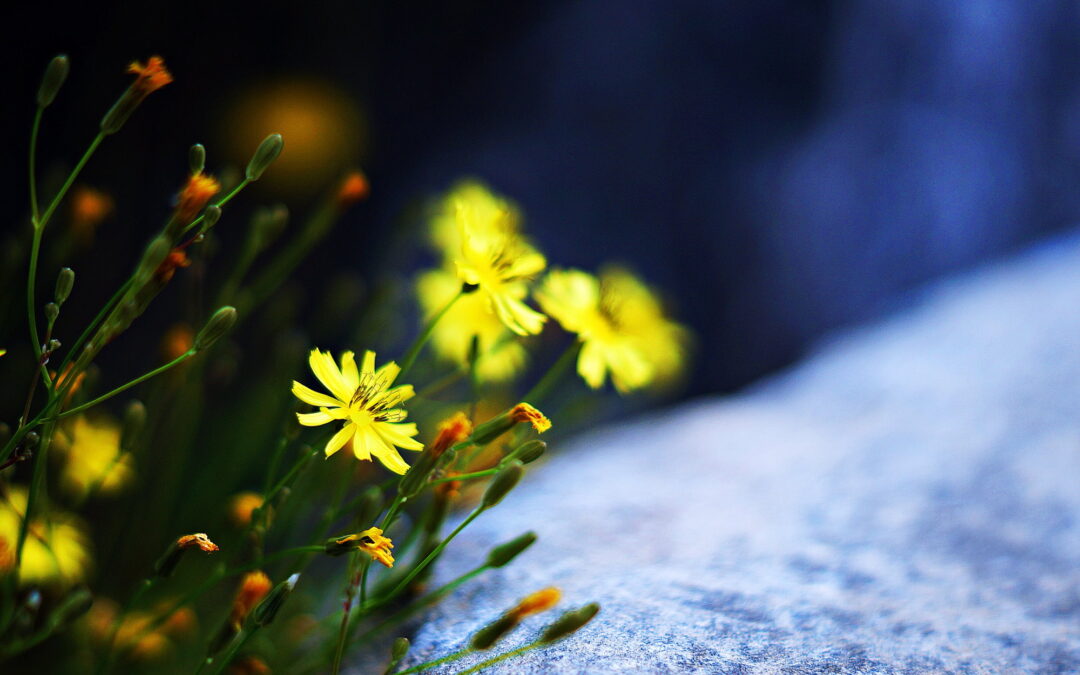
[{"x": 906, "y": 501}]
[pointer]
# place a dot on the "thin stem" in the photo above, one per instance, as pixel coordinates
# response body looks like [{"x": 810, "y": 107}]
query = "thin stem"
[
  {"x": 109, "y": 305},
  {"x": 552, "y": 376},
  {"x": 418, "y": 344},
  {"x": 37, "y": 484},
  {"x": 437, "y": 662},
  {"x": 235, "y": 646},
  {"x": 466, "y": 476},
  {"x": 501, "y": 657},
  {"x": 221, "y": 202},
  {"x": 124, "y": 387},
  {"x": 33, "y": 164},
  {"x": 431, "y": 556}
]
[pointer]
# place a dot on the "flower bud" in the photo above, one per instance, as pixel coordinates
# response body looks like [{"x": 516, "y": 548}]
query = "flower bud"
[
  {"x": 166, "y": 564},
  {"x": 569, "y": 623},
  {"x": 264, "y": 156},
  {"x": 55, "y": 74},
  {"x": 134, "y": 419},
  {"x": 149, "y": 78},
  {"x": 210, "y": 217},
  {"x": 52, "y": 310},
  {"x": 501, "y": 484},
  {"x": 64, "y": 283},
  {"x": 153, "y": 256},
  {"x": 52, "y": 345},
  {"x": 502, "y": 554},
  {"x": 529, "y": 451},
  {"x": 197, "y": 158},
  {"x": 267, "y": 224},
  {"x": 500, "y": 424},
  {"x": 487, "y": 636},
  {"x": 219, "y": 324},
  {"x": 269, "y": 607},
  {"x": 397, "y": 652}
]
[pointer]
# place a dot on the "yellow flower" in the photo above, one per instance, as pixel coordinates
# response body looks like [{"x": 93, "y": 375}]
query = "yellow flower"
[
  {"x": 93, "y": 461},
  {"x": 370, "y": 541},
  {"x": 621, "y": 326},
  {"x": 489, "y": 252},
  {"x": 500, "y": 357},
  {"x": 364, "y": 400},
  {"x": 56, "y": 549},
  {"x": 133, "y": 634}
]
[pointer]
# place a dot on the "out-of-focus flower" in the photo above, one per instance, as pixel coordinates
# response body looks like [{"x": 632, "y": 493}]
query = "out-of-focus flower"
[
  {"x": 57, "y": 549},
  {"x": 89, "y": 207},
  {"x": 165, "y": 271},
  {"x": 198, "y": 191},
  {"x": 242, "y": 506},
  {"x": 490, "y": 253},
  {"x": 621, "y": 325},
  {"x": 134, "y": 635},
  {"x": 92, "y": 459},
  {"x": 354, "y": 188},
  {"x": 452, "y": 431},
  {"x": 249, "y": 665},
  {"x": 499, "y": 356},
  {"x": 177, "y": 340},
  {"x": 253, "y": 588},
  {"x": 364, "y": 400}
]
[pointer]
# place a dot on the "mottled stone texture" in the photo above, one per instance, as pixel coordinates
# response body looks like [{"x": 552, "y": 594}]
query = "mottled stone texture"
[{"x": 905, "y": 501}]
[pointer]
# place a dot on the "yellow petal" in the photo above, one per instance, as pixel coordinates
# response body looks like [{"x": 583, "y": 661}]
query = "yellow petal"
[
  {"x": 313, "y": 397},
  {"x": 313, "y": 419},
  {"x": 387, "y": 373},
  {"x": 339, "y": 439},
  {"x": 591, "y": 365},
  {"x": 368, "y": 364},
  {"x": 349, "y": 372},
  {"x": 390, "y": 458},
  {"x": 401, "y": 393},
  {"x": 399, "y": 435},
  {"x": 361, "y": 445},
  {"x": 322, "y": 364}
]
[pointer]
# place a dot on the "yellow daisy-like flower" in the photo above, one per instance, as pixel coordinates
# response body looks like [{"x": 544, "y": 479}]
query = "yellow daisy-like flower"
[
  {"x": 622, "y": 328},
  {"x": 93, "y": 461},
  {"x": 57, "y": 549},
  {"x": 489, "y": 252},
  {"x": 364, "y": 400},
  {"x": 500, "y": 357}
]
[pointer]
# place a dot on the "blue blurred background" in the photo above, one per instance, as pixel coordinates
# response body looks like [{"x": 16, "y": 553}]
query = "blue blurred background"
[{"x": 779, "y": 168}]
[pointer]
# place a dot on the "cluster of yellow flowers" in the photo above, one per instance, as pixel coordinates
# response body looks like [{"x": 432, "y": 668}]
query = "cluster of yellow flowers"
[{"x": 619, "y": 320}]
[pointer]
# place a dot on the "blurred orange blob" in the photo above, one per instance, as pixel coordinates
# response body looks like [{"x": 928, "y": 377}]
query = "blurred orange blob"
[
  {"x": 323, "y": 128},
  {"x": 88, "y": 208},
  {"x": 178, "y": 339}
]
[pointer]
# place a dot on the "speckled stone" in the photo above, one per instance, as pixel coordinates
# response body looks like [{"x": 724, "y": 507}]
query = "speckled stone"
[{"x": 905, "y": 501}]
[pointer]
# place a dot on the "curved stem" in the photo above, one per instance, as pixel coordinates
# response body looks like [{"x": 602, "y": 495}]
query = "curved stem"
[
  {"x": 124, "y": 387},
  {"x": 501, "y": 657},
  {"x": 542, "y": 388},
  {"x": 418, "y": 344},
  {"x": 431, "y": 556},
  {"x": 33, "y": 164}
]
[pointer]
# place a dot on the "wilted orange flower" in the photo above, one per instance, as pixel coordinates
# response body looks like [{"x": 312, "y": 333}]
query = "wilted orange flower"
[
  {"x": 354, "y": 188},
  {"x": 370, "y": 541},
  {"x": 242, "y": 506},
  {"x": 198, "y": 539},
  {"x": 253, "y": 588},
  {"x": 165, "y": 271},
  {"x": 523, "y": 412},
  {"x": 537, "y": 602},
  {"x": 88, "y": 208},
  {"x": 151, "y": 77},
  {"x": 177, "y": 340},
  {"x": 195, "y": 195},
  {"x": 451, "y": 432}
]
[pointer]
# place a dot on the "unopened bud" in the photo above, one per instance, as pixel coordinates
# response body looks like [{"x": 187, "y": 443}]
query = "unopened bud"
[
  {"x": 219, "y": 324},
  {"x": 397, "y": 652},
  {"x": 569, "y": 623},
  {"x": 529, "y": 451},
  {"x": 211, "y": 215},
  {"x": 30, "y": 441},
  {"x": 152, "y": 258},
  {"x": 271, "y": 604},
  {"x": 52, "y": 345},
  {"x": 65, "y": 281},
  {"x": 76, "y": 604},
  {"x": 502, "y": 484},
  {"x": 264, "y": 156},
  {"x": 197, "y": 158},
  {"x": 502, "y": 554},
  {"x": 55, "y": 74},
  {"x": 134, "y": 419},
  {"x": 500, "y": 424},
  {"x": 52, "y": 310},
  {"x": 487, "y": 636}
]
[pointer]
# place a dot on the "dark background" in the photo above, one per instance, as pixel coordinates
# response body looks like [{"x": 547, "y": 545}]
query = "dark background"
[{"x": 778, "y": 168}]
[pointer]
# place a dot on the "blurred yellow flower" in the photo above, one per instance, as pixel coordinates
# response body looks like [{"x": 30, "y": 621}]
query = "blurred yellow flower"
[
  {"x": 500, "y": 357},
  {"x": 365, "y": 401},
  {"x": 621, "y": 325},
  {"x": 56, "y": 549},
  {"x": 92, "y": 459},
  {"x": 133, "y": 635},
  {"x": 242, "y": 506},
  {"x": 488, "y": 251}
]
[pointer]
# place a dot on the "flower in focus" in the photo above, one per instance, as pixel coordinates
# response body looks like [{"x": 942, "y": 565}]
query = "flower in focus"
[
  {"x": 499, "y": 358},
  {"x": 253, "y": 588},
  {"x": 93, "y": 460},
  {"x": 150, "y": 77},
  {"x": 620, "y": 323},
  {"x": 88, "y": 208},
  {"x": 370, "y": 541},
  {"x": 489, "y": 252},
  {"x": 364, "y": 400},
  {"x": 198, "y": 191},
  {"x": 57, "y": 549}
]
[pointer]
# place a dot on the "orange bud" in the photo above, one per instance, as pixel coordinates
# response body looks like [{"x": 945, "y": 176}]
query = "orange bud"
[
  {"x": 451, "y": 431},
  {"x": 253, "y": 588}
]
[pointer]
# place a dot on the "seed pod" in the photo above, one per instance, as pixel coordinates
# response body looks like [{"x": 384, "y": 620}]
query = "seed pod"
[
  {"x": 569, "y": 623},
  {"x": 197, "y": 158},
  {"x": 397, "y": 652},
  {"x": 55, "y": 74},
  {"x": 264, "y": 156},
  {"x": 271, "y": 604},
  {"x": 64, "y": 283},
  {"x": 501, "y": 484},
  {"x": 487, "y": 636},
  {"x": 530, "y": 451},
  {"x": 502, "y": 554},
  {"x": 211, "y": 215},
  {"x": 219, "y": 324},
  {"x": 52, "y": 310}
]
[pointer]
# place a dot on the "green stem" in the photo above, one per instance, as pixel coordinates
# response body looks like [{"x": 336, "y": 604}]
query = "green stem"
[
  {"x": 93, "y": 325},
  {"x": 222, "y": 202},
  {"x": 542, "y": 388},
  {"x": 501, "y": 657},
  {"x": 403, "y": 584},
  {"x": 37, "y": 484},
  {"x": 418, "y": 344},
  {"x": 466, "y": 476},
  {"x": 33, "y": 164},
  {"x": 437, "y": 662},
  {"x": 124, "y": 387},
  {"x": 235, "y": 646}
]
